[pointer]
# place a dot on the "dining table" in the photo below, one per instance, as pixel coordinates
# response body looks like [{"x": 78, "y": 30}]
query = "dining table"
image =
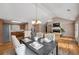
[{"x": 44, "y": 50}]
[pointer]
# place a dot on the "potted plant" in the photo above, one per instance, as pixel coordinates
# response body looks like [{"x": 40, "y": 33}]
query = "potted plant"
[{"x": 62, "y": 31}]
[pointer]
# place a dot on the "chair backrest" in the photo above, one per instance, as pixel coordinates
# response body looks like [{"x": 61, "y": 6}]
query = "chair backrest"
[
  {"x": 19, "y": 48},
  {"x": 15, "y": 41},
  {"x": 27, "y": 33},
  {"x": 50, "y": 36},
  {"x": 39, "y": 34}
]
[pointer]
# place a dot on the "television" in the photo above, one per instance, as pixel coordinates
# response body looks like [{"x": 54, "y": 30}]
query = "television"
[
  {"x": 56, "y": 24},
  {"x": 56, "y": 30}
]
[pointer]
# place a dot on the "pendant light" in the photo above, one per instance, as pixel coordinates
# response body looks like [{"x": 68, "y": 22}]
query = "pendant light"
[{"x": 36, "y": 21}]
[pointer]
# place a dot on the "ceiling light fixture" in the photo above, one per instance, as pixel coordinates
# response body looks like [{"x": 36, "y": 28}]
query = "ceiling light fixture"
[
  {"x": 36, "y": 21},
  {"x": 68, "y": 9}
]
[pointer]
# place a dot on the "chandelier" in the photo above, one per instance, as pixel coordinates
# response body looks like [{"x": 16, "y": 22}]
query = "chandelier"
[{"x": 36, "y": 21}]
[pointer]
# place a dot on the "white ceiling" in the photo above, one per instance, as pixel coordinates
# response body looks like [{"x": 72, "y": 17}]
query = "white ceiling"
[
  {"x": 25, "y": 12},
  {"x": 64, "y": 10}
]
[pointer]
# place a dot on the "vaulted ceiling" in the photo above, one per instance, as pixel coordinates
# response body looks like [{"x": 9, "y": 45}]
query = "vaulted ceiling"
[
  {"x": 26, "y": 12},
  {"x": 64, "y": 10}
]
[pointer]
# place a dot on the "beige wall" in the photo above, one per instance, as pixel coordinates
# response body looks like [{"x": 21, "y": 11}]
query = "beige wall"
[{"x": 67, "y": 25}]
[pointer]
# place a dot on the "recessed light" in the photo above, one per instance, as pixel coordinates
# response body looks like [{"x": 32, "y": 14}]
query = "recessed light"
[{"x": 68, "y": 9}]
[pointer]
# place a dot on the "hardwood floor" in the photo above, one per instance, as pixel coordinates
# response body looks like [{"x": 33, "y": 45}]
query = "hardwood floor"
[
  {"x": 67, "y": 44},
  {"x": 6, "y": 48}
]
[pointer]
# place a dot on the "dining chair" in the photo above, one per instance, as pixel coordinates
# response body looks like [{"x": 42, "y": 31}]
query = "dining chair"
[
  {"x": 27, "y": 33},
  {"x": 21, "y": 49},
  {"x": 50, "y": 36},
  {"x": 39, "y": 34},
  {"x": 15, "y": 41}
]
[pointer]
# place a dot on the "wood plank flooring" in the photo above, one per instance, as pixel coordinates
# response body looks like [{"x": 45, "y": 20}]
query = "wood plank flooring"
[
  {"x": 6, "y": 48},
  {"x": 65, "y": 44},
  {"x": 69, "y": 45}
]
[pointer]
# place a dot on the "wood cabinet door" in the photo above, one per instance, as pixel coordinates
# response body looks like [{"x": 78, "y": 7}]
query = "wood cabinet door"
[
  {"x": 24, "y": 26},
  {"x": 37, "y": 27}
]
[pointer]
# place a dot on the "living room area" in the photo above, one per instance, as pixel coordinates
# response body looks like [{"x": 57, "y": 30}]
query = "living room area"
[{"x": 39, "y": 29}]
